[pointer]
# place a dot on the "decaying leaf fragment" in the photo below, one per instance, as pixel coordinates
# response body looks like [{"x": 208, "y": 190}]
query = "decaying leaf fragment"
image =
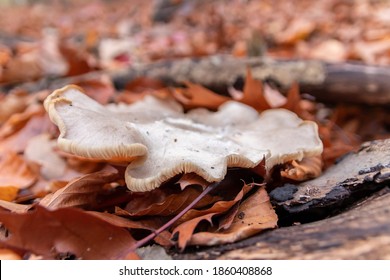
[{"x": 159, "y": 140}]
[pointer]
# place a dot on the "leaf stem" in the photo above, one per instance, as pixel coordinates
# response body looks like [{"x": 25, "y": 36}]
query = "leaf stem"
[{"x": 167, "y": 225}]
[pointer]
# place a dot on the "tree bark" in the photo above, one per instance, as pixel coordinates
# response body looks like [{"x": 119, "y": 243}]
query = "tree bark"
[
  {"x": 354, "y": 176},
  {"x": 307, "y": 232},
  {"x": 363, "y": 232}
]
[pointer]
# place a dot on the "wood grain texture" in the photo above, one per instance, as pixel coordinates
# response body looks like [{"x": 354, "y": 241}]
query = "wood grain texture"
[{"x": 355, "y": 175}]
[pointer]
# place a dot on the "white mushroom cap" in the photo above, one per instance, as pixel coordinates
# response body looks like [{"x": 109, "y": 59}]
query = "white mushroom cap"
[{"x": 160, "y": 141}]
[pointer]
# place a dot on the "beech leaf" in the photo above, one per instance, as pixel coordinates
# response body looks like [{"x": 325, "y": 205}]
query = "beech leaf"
[
  {"x": 81, "y": 192},
  {"x": 64, "y": 232}
]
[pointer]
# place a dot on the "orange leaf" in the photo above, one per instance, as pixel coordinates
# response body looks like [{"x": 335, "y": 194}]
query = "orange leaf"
[
  {"x": 8, "y": 193},
  {"x": 64, "y": 232},
  {"x": 253, "y": 93},
  {"x": 293, "y": 100},
  {"x": 305, "y": 169},
  {"x": 15, "y": 172},
  {"x": 157, "y": 202},
  {"x": 218, "y": 208},
  {"x": 186, "y": 229},
  {"x": 195, "y": 96},
  {"x": 81, "y": 192},
  {"x": 254, "y": 215},
  {"x": 189, "y": 179}
]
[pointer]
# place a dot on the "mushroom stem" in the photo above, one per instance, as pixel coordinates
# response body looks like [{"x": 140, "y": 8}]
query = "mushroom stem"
[{"x": 151, "y": 236}]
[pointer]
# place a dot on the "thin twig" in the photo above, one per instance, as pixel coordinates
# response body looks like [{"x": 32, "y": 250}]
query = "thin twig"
[{"x": 151, "y": 236}]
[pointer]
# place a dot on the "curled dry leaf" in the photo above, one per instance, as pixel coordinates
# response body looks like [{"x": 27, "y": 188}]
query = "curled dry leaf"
[
  {"x": 162, "y": 141},
  {"x": 166, "y": 205},
  {"x": 18, "y": 141},
  {"x": 189, "y": 179},
  {"x": 218, "y": 207},
  {"x": 66, "y": 231},
  {"x": 308, "y": 168},
  {"x": 195, "y": 96},
  {"x": 82, "y": 192},
  {"x": 254, "y": 215}
]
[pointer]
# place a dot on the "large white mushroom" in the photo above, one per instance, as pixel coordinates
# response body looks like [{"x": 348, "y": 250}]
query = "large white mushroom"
[{"x": 158, "y": 140}]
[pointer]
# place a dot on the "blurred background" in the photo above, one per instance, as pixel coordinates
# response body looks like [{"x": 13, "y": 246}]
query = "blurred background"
[{"x": 68, "y": 37}]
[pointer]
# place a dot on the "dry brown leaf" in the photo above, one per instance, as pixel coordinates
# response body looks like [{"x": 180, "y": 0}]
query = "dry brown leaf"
[
  {"x": 150, "y": 224},
  {"x": 18, "y": 141},
  {"x": 13, "y": 103},
  {"x": 293, "y": 100},
  {"x": 186, "y": 230},
  {"x": 308, "y": 168},
  {"x": 99, "y": 88},
  {"x": 15, "y": 172},
  {"x": 189, "y": 179},
  {"x": 14, "y": 207},
  {"x": 219, "y": 207},
  {"x": 254, "y": 215},
  {"x": 253, "y": 93},
  {"x": 82, "y": 192},
  {"x": 18, "y": 120},
  {"x": 65, "y": 232},
  {"x": 159, "y": 203},
  {"x": 195, "y": 96}
]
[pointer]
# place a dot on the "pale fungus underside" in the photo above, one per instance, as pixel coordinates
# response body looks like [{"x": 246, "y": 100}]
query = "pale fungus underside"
[{"x": 158, "y": 140}]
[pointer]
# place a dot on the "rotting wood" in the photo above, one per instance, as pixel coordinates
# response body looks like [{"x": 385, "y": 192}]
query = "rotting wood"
[
  {"x": 345, "y": 82},
  {"x": 362, "y": 232},
  {"x": 355, "y": 175}
]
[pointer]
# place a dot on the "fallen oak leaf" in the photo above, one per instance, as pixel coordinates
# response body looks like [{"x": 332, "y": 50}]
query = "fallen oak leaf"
[
  {"x": 255, "y": 214},
  {"x": 82, "y": 192},
  {"x": 218, "y": 207},
  {"x": 195, "y": 96},
  {"x": 253, "y": 93},
  {"x": 65, "y": 231},
  {"x": 168, "y": 224},
  {"x": 166, "y": 205},
  {"x": 186, "y": 229}
]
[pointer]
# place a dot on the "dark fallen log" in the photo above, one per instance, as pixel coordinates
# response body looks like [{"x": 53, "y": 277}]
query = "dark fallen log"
[
  {"x": 363, "y": 232},
  {"x": 347, "y": 82},
  {"x": 354, "y": 176}
]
